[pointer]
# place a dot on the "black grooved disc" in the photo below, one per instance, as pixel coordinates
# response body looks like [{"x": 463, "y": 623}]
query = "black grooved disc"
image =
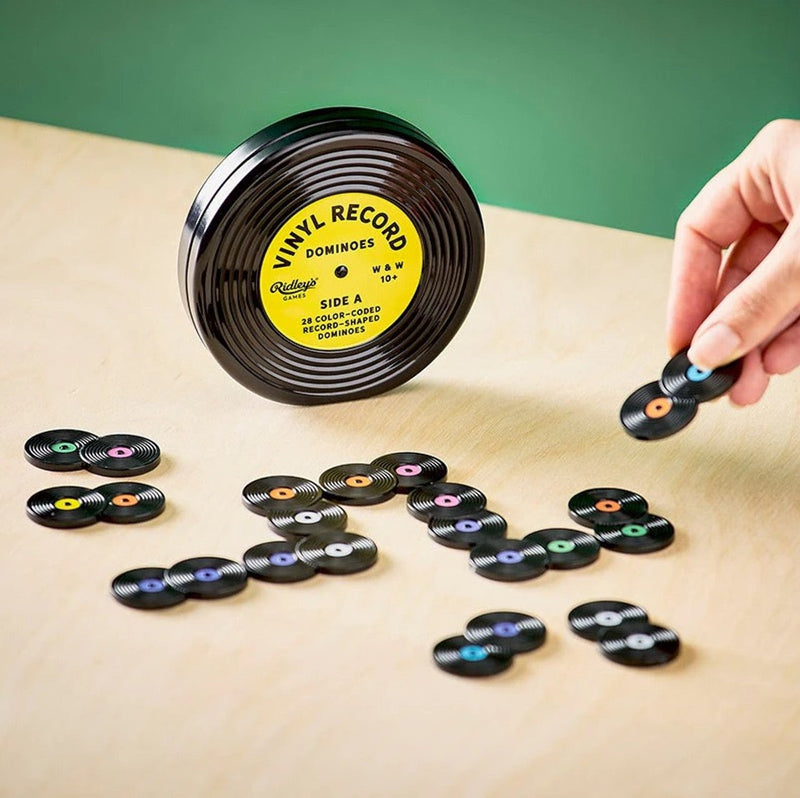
[
  {"x": 130, "y": 502},
  {"x": 358, "y": 483},
  {"x": 280, "y": 493},
  {"x": 120, "y": 455},
  {"x": 321, "y": 516},
  {"x": 643, "y": 535},
  {"x": 566, "y": 548},
  {"x": 514, "y": 631},
  {"x": 145, "y": 589},
  {"x": 606, "y": 506},
  {"x": 444, "y": 500},
  {"x": 207, "y": 577},
  {"x": 590, "y": 620},
  {"x": 57, "y": 449},
  {"x": 468, "y": 531},
  {"x": 331, "y": 256},
  {"x": 337, "y": 552},
  {"x": 65, "y": 507},
  {"x": 649, "y": 413},
  {"x": 276, "y": 561},
  {"x": 682, "y": 378},
  {"x": 508, "y": 560},
  {"x": 639, "y": 643},
  {"x": 412, "y": 469},
  {"x": 461, "y": 657}
]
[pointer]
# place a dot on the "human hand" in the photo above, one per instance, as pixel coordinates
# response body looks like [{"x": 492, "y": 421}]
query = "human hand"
[{"x": 748, "y": 304}]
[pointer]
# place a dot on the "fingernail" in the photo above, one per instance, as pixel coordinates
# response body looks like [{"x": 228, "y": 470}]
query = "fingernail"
[{"x": 717, "y": 345}]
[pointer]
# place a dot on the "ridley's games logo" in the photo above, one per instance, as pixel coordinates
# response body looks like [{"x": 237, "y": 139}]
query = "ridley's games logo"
[{"x": 293, "y": 287}]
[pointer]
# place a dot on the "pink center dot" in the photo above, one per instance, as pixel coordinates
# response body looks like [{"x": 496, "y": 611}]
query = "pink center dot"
[
  {"x": 120, "y": 452},
  {"x": 408, "y": 470},
  {"x": 447, "y": 500}
]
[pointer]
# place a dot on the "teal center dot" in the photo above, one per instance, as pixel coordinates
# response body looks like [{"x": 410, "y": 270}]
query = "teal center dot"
[
  {"x": 473, "y": 653},
  {"x": 63, "y": 447},
  {"x": 560, "y": 546},
  {"x": 634, "y": 530}
]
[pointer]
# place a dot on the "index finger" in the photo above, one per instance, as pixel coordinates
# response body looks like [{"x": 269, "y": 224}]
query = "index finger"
[{"x": 716, "y": 218}]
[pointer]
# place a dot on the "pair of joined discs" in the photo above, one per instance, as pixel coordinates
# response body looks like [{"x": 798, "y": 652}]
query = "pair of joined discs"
[
  {"x": 489, "y": 644},
  {"x": 624, "y": 633},
  {"x": 336, "y": 552},
  {"x": 664, "y": 407},
  {"x": 71, "y": 507},
  {"x": 116, "y": 455},
  {"x": 197, "y": 577}
]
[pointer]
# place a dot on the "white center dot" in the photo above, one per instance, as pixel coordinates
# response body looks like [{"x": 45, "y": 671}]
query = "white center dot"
[
  {"x": 338, "y": 549},
  {"x": 308, "y": 517},
  {"x": 640, "y": 642},
  {"x": 608, "y": 618}
]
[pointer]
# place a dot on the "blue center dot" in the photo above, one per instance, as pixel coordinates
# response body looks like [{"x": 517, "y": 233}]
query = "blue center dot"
[
  {"x": 151, "y": 585},
  {"x": 472, "y": 653},
  {"x": 505, "y": 629},
  {"x": 282, "y": 558},
  {"x": 467, "y": 525},
  {"x": 509, "y": 557},
  {"x": 698, "y": 375},
  {"x": 207, "y": 575}
]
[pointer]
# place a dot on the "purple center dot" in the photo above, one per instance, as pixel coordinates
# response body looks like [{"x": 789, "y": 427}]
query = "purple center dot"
[
  {"x": 446, "y": 500},
  {"x": 120, "y": 451},
  {"x": 282, "y": 558},
  {"x": 207, "y": 575},
  {"x": 509, "y": 557},
  {"x": 467, "y": 525},
  {"x": 151, "y": 585},
  {"x": 408, "y": 470},
  {"x": 505, "y": 629}
]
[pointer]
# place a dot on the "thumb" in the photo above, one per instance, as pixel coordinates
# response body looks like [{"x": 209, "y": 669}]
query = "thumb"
[{"x": 750, "y": 314}]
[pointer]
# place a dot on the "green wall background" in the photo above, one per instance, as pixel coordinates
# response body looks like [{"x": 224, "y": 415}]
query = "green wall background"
[{"x": 610, "y": 112}]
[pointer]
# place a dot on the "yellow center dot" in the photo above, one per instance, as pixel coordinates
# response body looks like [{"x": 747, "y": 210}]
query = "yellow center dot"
[{"x": 67, "y": 504}]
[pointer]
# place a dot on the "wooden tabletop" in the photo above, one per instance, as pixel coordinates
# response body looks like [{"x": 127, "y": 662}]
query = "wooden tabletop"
[{"x": 327, "y": 687}]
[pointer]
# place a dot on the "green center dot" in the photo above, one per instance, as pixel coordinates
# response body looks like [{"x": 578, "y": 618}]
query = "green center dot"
[
  {"x": 63, "y": 447},
  {"x": 634, "y": 530},
  {"x": 560, "y": 546}
]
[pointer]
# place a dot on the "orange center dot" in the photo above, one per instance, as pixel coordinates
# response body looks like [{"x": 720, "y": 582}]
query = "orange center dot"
[
  {"x": 608, "y": 506},
  {"x": 358, "y": 481},
  {"x": 125, "y": 500},
  {"x": 658, "y": 408},
  {"x": 282, "y": 493}
]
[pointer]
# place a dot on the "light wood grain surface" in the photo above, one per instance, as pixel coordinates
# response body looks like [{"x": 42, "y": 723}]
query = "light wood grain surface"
[{"x": 327, "y": 688}]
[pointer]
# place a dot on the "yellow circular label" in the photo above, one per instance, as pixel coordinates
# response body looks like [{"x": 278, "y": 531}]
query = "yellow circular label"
[
  {"x": 67, "y": 504},
  {"x": 341, "y": 271}
]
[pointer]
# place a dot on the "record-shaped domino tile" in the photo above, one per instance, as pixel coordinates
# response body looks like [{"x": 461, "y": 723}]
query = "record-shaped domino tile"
[
  {"x": 591, "y": 619},
  {"x": 412, "y": 469},
  {"x": 508, "y": 560},
  {"x": 337, "y": 552},
  {"x": 358, "y": 484},
  {"x": 131, "y": 502},
  {"x": 514, "y": 631},
  {"x": 120, "y": 455},
  {"x": 57, "y": 449},
  {"x": 461, "y": 657},
  {"x": 566, "y": 548},
  {"x": 650, "y": 413},
  {"x": 606, "y": 506},
  {"x": 322, "y": 516},
  {"x": 444, "y": 500},
  {"x": 276, "y": 561},
  {"x": 639, "y": 643},
  {"x": 641, "y": 536},
  {"x": 683, "y": 379},
  {"x": 207, "y": 577},
  {"x": 280, "y": 493},
  {"x": 467, "y": 531},
  {"x": 145, "y": 589},
  {"x": 65, "y": 507}
]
